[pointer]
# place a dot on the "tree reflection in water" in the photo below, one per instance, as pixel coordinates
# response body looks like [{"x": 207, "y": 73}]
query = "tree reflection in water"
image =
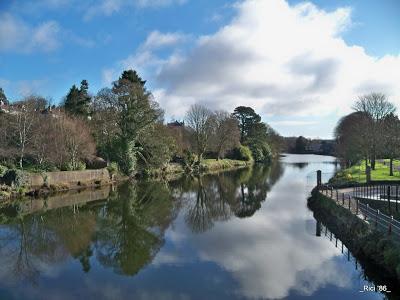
[
  {"x": 125, "y": 231},
  {"x": 212, "y": 198}
]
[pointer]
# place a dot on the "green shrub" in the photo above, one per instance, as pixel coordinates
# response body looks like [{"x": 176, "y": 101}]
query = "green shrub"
[
  {"x": 243, "y": 153},
  {"x": 14, "y": 177},
  {"x": 3, "y": 170},
  {"x": 261, "y": 151},
  {"x": 113, "y": 168},
  {"x": 80, "y": 166}
]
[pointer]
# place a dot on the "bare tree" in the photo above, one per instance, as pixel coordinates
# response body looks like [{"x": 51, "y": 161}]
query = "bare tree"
[
  {"x": 78, "y": 142},
  {"x": 26, "y": 113},
  {"x": 377, "y": 107},
  {"x": 226, "y": 133},
  {"x": 199, "y": 119}
]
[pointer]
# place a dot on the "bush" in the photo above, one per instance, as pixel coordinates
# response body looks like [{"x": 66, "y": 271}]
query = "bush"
[
  {"x": 14, "y": 177},
  {"x": 113, "y": 168},
  {"x": 243, "y": 153},
  {"x": 80, "y": 166},
  {"x": 3, "y": 170},
  {"x": 261, "y": 151}
]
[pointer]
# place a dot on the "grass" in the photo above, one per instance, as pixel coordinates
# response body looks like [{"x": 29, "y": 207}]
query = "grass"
[{"x": 356, "y": 173}]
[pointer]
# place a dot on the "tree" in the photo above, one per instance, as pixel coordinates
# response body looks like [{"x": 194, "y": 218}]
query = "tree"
[
  {"x": 26, "y": 115},
  {"x": 226, "y": 133},
  {"x": 78, "y": 142},
  {"x": 3, "y": 98},
  {"x": 77, "y": 102},
  {"x": 391, "y": 131},
  {"x": 157, "y": 147},
  {"x": 199, "y": 119},
  {"x": 246, "y": 117},
  {"x": 377, "y": 107},
  {"x": 301, "y": 144},
  {"x": 352, "y": 138},
  {"x": 122, "y": 115}
]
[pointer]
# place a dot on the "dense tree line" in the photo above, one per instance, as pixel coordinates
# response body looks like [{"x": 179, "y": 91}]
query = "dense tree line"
[
  {"x": 124, "y": 124},
  {"x": 372, "y": 131}
]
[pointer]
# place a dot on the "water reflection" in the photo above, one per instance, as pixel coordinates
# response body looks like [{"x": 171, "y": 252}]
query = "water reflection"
[{"x": 236, "y": 234}]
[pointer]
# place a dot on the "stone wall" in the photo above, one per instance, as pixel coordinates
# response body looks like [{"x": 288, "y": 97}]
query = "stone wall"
[{"x": 86, "y": 177}]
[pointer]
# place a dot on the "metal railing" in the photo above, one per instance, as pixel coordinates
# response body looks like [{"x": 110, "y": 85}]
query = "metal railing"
[{"x": 364, "y": 211}]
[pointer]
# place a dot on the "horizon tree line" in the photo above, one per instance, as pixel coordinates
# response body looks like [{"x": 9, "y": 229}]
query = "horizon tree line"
[{"x": 125, "y": 124}]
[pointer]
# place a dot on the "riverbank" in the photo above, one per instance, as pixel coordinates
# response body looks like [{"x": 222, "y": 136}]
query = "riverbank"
[
  {"x": 45, "y": 183},
  {"x": 380, "y": 249}
]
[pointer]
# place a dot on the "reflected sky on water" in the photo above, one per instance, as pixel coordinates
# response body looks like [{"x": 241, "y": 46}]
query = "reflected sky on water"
[{"x": 246, "y": 234}]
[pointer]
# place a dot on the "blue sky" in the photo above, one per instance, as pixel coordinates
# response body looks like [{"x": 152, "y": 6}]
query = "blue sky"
[{"x": 301, "y": 65}]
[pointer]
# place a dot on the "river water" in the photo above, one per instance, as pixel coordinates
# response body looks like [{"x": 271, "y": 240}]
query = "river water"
[{"x": 246, "y": 234}]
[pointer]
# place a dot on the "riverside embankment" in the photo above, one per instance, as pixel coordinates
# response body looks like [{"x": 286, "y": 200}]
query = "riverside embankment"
[{"x": 382, "y": 249}]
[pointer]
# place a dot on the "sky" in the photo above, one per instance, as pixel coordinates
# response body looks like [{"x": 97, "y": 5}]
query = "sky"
[{"x": 300, "y": 65}]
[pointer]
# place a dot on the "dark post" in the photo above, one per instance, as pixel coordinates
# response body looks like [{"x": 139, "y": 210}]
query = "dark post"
[
  {"x": 368, "y": 174},
  {"x": 390, "y": 225},
  {"x": 356, "y": 206},
  {"x": 397, "y": 196},
  {"x": 318, "y": 229},
  {"x": 388, "y": 197},
  {"x": 337, "y": 196},
  {"x": 349, "y": 202},
  {"x": 319, "y": 178},
  {"x": 343, "y": 199}
]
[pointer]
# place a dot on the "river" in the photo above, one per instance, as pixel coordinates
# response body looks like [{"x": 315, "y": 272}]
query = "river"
[{"x": 244, "y": 234}]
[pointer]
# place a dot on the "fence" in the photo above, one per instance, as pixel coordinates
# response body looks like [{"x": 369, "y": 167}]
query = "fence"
[
  {"x": 355, "y": 205},
  {"x": 382, "y": 191}
]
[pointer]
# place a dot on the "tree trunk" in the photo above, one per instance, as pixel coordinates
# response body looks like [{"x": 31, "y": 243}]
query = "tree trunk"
[{"x": 391, "y": 167}]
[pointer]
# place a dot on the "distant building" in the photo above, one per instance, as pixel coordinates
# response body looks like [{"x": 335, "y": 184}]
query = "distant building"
[{"x": 176, "y": 124}]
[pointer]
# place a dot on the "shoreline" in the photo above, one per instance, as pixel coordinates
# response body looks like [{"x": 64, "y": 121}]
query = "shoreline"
[
  {"x": 172, "y": 172},
  {"x": 381, "y": 250}
]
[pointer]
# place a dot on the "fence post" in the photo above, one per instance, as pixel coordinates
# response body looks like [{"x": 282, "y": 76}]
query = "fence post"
[
  {"x": 331, "y": 192},
  {"x": 376, "y": 217},
  {"x": 388, "y": 196},
  {"x": 349, "y": 202},
  {"x": 356, "y": 207},
  {"x": 343, "y": 199},
  {"x": 319, "y": 178},
  {"x": 397, "y": 196},
  {"x": 337, "y": 195},
  {"x": 390, "y": 225},
  {"x": 366, "y": 213}
]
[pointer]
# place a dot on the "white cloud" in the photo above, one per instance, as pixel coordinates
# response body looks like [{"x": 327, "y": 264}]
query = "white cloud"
[
  {"x": 144, "y": 59},
  {"x": 30, "y": 87},
  {"x": 16, "y": 35},
  {"x": 292, "y": 123},
  {"x": 158, "y": 39},
  {"x": 109, "y": 7},
  {"x": 280, "y": 59}
]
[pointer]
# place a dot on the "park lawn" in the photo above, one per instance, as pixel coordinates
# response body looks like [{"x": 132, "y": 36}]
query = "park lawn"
[{"x": 357, "y": 172}]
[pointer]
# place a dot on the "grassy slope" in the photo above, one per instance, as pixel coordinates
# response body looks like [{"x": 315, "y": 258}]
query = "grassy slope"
[{"x": 357, "y": 172}]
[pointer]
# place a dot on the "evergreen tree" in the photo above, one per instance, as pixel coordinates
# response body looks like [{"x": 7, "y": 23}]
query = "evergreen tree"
[
  {"x": 77, "y": 102},
  {"x": 3, "y": 98},
  {"x": 247, "y": 119}
]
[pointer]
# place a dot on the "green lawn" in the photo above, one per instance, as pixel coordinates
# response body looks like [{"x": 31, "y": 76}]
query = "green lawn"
[{"x": 357, "y": 172}]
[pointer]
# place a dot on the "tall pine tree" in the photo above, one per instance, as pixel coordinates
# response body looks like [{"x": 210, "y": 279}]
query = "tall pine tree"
[
  {"x": 77, "y": 101},
  {"x": 3, "y": 98}
]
